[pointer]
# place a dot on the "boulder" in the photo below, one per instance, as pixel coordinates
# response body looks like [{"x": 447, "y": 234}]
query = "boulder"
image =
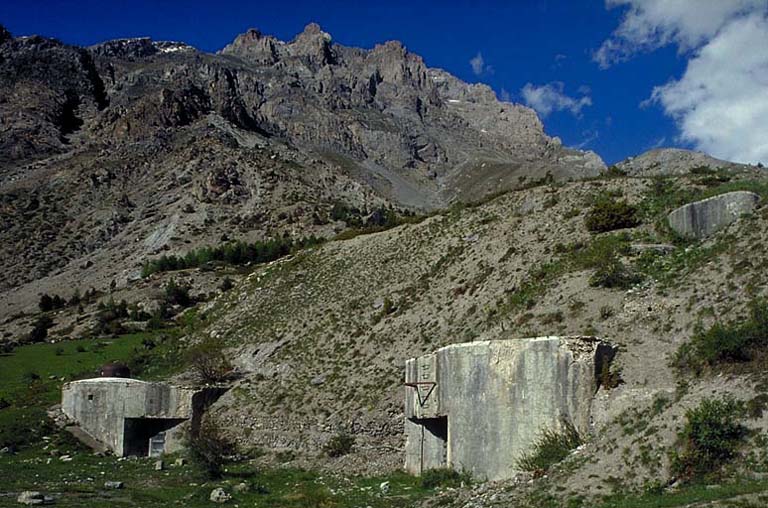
[
  {"x": 33, "y": 497},
  {"x": 702, "y": 218},
  {"x": 113, "y": 485},
  {"x": 220, "y": 495}
]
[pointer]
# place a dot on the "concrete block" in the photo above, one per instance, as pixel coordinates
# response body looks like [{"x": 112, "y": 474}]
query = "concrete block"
[
  {"x": 494, "y": 398},
  {"x": 702, "y": 218}
]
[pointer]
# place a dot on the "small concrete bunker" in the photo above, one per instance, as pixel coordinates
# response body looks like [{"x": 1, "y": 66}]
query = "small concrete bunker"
[
  {"x": 133, "y": 417},
  {"x": 480, "y": 406}
]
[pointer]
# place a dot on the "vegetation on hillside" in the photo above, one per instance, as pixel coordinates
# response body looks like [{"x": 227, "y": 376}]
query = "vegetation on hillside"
[
  {"x": 728, "y": 342},
  {"x": 552, "y": 447},
  {"x": 235, "y": 253},
  {"x": 710, "y": 438}
]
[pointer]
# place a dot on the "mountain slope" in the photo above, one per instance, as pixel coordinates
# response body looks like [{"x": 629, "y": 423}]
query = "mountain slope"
[
  {"x": 158, "y": 145},
  {"x": 321, "y": 339}
]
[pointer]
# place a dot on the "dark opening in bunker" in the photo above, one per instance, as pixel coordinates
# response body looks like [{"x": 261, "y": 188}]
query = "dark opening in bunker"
[
  {"x": 139, "y": 432},
  {"x": 434, "y": 442}
]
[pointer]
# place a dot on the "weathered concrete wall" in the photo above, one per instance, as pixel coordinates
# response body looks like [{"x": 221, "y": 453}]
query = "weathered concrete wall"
[
  {"x": 101, "y": 406},
  {"x": 702, "y": 218},
  {"x": 496, "y": 398}
]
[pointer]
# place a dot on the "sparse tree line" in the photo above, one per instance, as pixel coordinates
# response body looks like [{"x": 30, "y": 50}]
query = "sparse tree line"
[
  {"x": 48, "y": 302},
  {"x": 234, "y": 253}
]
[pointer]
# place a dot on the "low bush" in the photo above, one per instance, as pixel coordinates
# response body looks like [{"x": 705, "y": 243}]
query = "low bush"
[
  {"x": 610, "y": 377},
  {"x": 177, "y": 294},
  {"x": 109, "y": 317},
  {"x": 552, "y": 447},
  {"x": 608, "y": 214},
  {"x": 724, "y": 343},
  {"x": 40, "y": 329},
  {"x": 340, "y": 444},
  {"x": 614, "y": 274},
  {"x": 710, "y": 438},
  {"x": 444, "y": 477}
]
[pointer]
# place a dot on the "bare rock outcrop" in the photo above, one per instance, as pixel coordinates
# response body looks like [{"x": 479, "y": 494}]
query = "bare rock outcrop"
[{"x": 674, "y": 162}]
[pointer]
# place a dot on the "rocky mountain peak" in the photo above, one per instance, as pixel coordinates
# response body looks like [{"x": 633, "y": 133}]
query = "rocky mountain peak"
[
  {"x": 313, "y": 29},
  {"x": 255, "y": 47},
  {"x": 313, "y": 46}
]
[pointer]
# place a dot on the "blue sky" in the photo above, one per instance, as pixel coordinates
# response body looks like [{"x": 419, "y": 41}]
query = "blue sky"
[{"x": 543, "y": 43}]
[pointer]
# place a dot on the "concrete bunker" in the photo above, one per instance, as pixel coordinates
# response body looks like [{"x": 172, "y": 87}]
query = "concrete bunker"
[
  {"x": 133, "y": 417},
  {"x": 480, "y": 406}
]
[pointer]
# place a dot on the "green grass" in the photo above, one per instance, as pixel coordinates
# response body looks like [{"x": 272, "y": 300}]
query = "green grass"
[
  {"x": 80, "y": 483},
  {"x": 552, "y": 447},
  {"x": 61, "y": 360},
  {"x": 32, "y": 375}
]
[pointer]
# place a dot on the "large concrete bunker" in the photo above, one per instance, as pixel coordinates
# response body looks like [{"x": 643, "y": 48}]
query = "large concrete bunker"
[
  {"x": 133, "y": 417},
  {"x": 480, "y": 406}
]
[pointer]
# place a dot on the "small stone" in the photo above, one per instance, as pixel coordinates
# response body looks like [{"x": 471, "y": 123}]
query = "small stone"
[
  {"x": 180, "y": 462},
  {"x": 31, "y": 497},
  {"x": 242, "y": 487},
  {"x": 219, "y": 495},
  {"x": 113, "y": 485},
  {"x": 66, "y": 458},
  {"x": 384, "y": 488},
  {"x": 5, "y": 450},
  {"x": 159, "y": 465},
  {"x": 318, "y": 380}
]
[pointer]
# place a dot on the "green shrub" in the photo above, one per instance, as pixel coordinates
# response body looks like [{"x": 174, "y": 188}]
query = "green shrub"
[
  {"x": 552, "y": 447},
  {"x": 340, "y": 444},
  {"x": 710, "y": 438},
  {"x": 610, "y": 378},
  {"x": 614, "y": 274},
  {"x": 176, "y": 294},
  {"x": 608, "y": 214},
  {"x": 40, "y": 329},
  {"x": 109, "y": 316},
  {"x": 444, "y": 477},
  {"x": 731, "y": 342},
  {"x": 226, "y": 285}
]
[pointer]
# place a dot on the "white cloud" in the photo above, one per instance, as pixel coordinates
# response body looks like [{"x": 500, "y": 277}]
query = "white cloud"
[
  {"x": 651, "y": 24},
  {"x": 550, "y": 97},
  {"x": 720, "y": 104},
  {"x": 478, "y": 65}
]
